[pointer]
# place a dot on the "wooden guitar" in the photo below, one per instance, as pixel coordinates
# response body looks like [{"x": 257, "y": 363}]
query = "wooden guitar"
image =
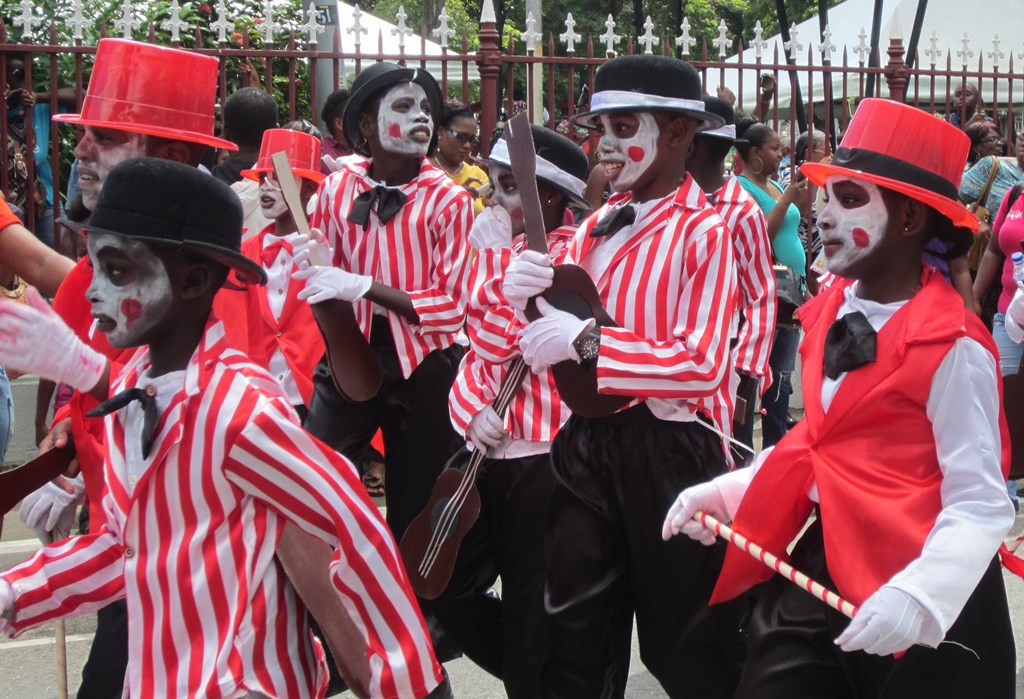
[
  {"x": 18, "y": 482},
  {"x": 431, "y": 542},
  {"x": 572, "y": 290},
  {"x": 353, "y": 364}
]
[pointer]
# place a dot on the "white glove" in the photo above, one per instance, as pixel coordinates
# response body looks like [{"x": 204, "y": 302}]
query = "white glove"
[
  {"x": 888, "y": 622},
  {"x": 323, "y": 283},
  {"x": 6, "y": 600},
  {"x": 50, "y": 511},
  {"x": 492, "y": 228},
  {"x": 529, "y": 274},
  {"x": 549, "y": 339},
  {"x": 306, "y": 249},
  {"x": 334, "y": 164},
  {"x": 486, "y": 429},
  {"x": 706, "y": 497},
  {"x": 26, "y": 329}
]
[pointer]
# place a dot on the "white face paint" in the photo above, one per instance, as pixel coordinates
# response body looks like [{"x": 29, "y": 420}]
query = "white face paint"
[
  {"x": 272, "y": 203},
  {"x": 853, "y": 222},
  {"x": 98, "y": 152},
  {"x": 403, "y": 120},
  {"x": 130, "y": 290},
  {"x": 506, "y": 195},
  {"x": 628, "y": 146}
]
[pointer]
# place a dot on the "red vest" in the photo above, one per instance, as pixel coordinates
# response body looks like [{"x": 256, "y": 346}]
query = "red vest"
[
  {"x": 295, "y": 333},
  {"x": 872, "y": 455}
]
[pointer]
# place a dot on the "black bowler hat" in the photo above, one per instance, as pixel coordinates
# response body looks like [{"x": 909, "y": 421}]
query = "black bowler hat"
[
  {"x": 169, "y": 204},
  {"x": 721, "y": 108},
  {"x": 648, "y": 83},
  {"x": 560, "y": 162},
  {"x": 373, "y": 80}
]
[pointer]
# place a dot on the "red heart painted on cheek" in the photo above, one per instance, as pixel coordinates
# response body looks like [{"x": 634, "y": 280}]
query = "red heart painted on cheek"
[
  {"x": 861, "y": 238},
  {"x": 395, "y": 131},
  {"x": 636, "y": 153}
]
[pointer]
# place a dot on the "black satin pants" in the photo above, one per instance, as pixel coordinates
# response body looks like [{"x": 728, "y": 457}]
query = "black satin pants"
[
  {"x": 615, "y": 479},
  {"x": 505, "y": 637},
  {"x": 791, "y": 653},
  {"x": 412, "y": 414}
]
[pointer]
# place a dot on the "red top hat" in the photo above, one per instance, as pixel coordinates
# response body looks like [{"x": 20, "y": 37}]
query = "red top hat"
[
  {"x": 904, "y": 149},
  {"x": 303, "y": 152},
  {"x": 151, "y": 90}
]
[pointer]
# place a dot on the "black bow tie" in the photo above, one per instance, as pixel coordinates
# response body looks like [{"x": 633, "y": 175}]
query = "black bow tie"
[
  {"x": 614, "y": 222},
  {"x": 850, "y": 343},
  {"x": 146, "y": 396},
  {"x": 389, "y": 201}
]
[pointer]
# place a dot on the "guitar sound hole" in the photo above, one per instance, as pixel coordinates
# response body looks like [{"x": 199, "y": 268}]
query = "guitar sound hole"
[{"x": 435, "y": 520}]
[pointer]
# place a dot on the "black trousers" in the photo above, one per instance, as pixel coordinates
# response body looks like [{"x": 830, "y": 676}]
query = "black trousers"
[
  {"x": 505, "y": 637},
  {"x": 412, "y": 415},
  {"x": 615, "y": 479},
  {"x": 104, "y": 670},
  {"x": 791, "y": 652}
]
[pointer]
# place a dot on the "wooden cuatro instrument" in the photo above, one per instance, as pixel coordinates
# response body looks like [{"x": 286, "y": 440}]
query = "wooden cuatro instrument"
[
  {"x": 572, "y": 290},
  {"x": 353, "y": 364},
  {"x": 431, "y": 542},
  {"x": 18, "y": 482}
]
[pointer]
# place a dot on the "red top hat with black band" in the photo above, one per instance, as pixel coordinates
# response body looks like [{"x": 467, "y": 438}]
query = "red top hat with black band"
[
  {"x": 906, "y": 150},
  {"x": 303, "y": 152},
  {"x": 152, "y": 90}
]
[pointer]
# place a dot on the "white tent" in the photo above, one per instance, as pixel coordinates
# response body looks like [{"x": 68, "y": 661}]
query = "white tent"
[
  {"x": 383, "y": 37},
  {"x": 949, "y": 21}
]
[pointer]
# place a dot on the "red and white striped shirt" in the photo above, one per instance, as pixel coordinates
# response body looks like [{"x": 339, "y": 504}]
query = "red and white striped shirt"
[
  {"x": 536, "y": 412},
  {"x": 422, "y": 251},
  {"x": 671, "y": 287},
  {"x": 191, "y": 544},
  {"x": 752, "y": 249}
]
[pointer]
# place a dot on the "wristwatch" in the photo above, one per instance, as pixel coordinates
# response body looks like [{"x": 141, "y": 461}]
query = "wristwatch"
[{"x": 588, "y": 347}]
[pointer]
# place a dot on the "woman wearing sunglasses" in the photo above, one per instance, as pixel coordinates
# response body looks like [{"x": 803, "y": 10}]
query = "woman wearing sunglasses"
[{"x": 456, "y": 141}]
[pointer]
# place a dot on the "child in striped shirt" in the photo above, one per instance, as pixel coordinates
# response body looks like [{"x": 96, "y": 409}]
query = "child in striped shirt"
[{"x": 206, "y": 465}]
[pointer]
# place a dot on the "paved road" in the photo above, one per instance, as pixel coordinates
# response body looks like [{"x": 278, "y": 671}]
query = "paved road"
[{"x": 27, "y": 664}]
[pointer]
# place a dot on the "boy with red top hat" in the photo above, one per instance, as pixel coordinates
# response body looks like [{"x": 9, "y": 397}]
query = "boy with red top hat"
[
  {"x": 283, "y": 336},
  {"x": 206, "y": 465},
  {"x": 903, "y": 452},
  {"x": 142, "y": 100},
  {"x": 662, "y": 262}
]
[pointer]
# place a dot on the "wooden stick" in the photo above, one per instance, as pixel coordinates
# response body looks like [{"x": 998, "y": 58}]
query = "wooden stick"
[
  {"x": 817, "y": 589},
  {"x": 60, "y": 652}
]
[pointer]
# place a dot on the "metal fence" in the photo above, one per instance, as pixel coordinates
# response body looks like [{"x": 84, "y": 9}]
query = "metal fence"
[{"x": 553, "y": 73}]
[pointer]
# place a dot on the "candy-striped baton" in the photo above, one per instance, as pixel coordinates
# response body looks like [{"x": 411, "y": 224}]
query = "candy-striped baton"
[{"x": 779, "y": 566}]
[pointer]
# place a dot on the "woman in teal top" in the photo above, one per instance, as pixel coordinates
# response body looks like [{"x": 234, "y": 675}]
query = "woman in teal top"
[{"x": 760, "y": 149}]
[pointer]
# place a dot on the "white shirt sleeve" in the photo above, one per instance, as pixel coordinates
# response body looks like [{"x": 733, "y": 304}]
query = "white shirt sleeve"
[{"x": 976, "y": 514}]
